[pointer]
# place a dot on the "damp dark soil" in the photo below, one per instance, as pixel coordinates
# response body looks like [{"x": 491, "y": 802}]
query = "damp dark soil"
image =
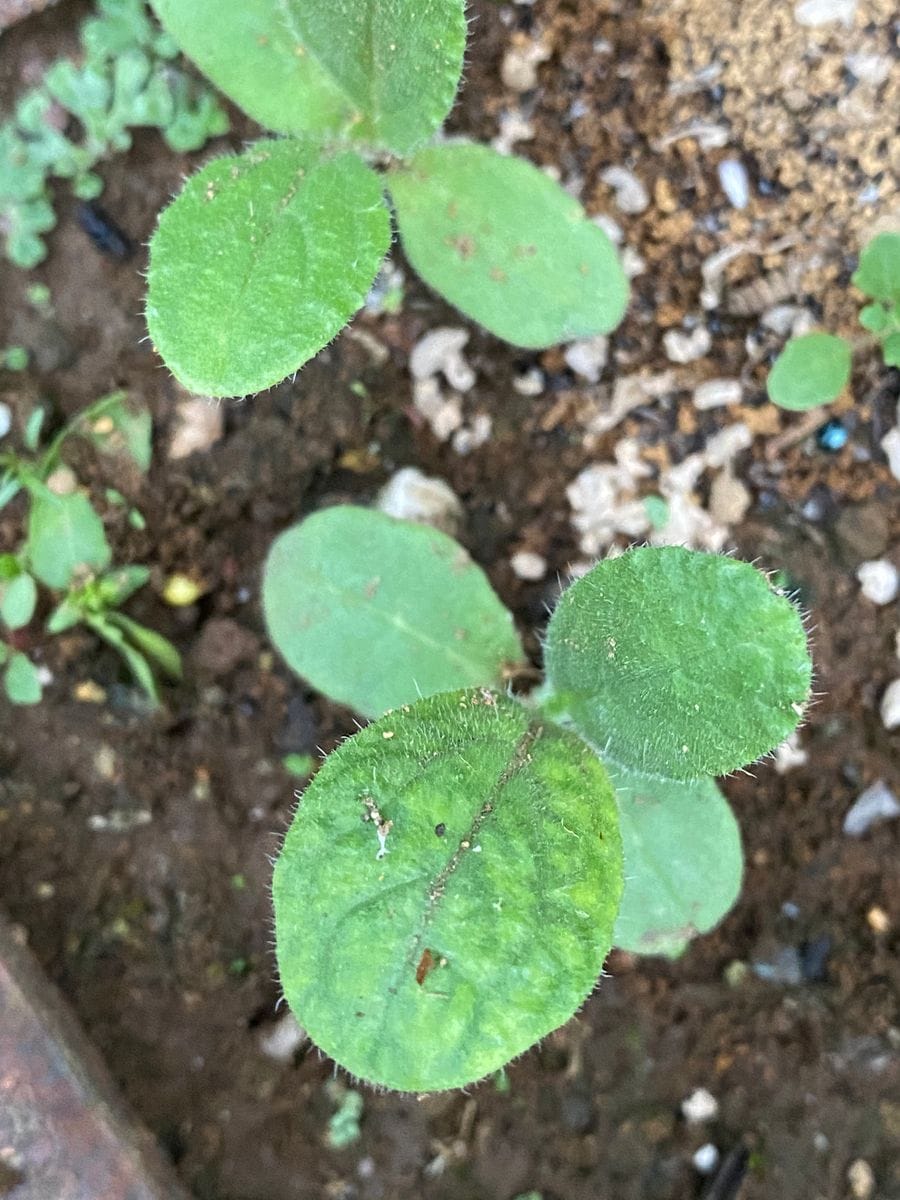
[{"x": 157, "y": 927}]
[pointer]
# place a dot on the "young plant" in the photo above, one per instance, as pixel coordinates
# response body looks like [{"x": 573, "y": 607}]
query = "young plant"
[
  {"x": 81, "y": 113},
  {"x": 65, "y": 549},
  {"x": 815, "y": 368},
  {"x": 453, "y": 878},
  {"x": 265, "y": 256}
]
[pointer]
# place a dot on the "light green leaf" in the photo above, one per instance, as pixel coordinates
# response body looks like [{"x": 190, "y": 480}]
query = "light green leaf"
[
  {"x": 376, "y": 612},
  {"x": 260, "y": 262},
  {"x": 21, "y": 680},
  {"x": 878, "y": 274},
  {"x": 891, "y": 350},
  {"x": 676, "y": 663},
  {"x": 875, "y": 318},
  {"x": 33, "y": 426},
  {"x": 65, "y": 537},
  {"x": 67, "y": 614},
  {"x": 374, "y": 71},
  {"x": 150, "y": 643},
  {"x": 464, "y": 866},
  {"x": 116, "y": 587},
  {"x": 120, "y": 425},
  {"x": 683, "y": 861},
  {"x": 18, "y": 598},
  {"x": 504, "y": 243},
  {"x": 811, "y": 370},
  {"x": 134, "y": 659}
]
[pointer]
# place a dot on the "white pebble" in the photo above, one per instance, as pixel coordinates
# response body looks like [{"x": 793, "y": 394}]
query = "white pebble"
[
  {"x": 412, "y": 496},
  {"x": 790, "y": 754},
  {"x": 735, "y": 182},
  {"x": 780, "y": 318},
  {"x": 282, "y": 1040},
  {"x": 701, "y": 1105},
  {"x": 5, "y": 420},
  {"x": 861, "y": 1178},
  {"x": 821, "y": 12},
  {"x": 877, "y": 803},
  {"x": 880, "y": 580},
  {"x": 473, "y": 435},
  {"x": 519, "y": 67},
  {"x": 716, "y": 393},
  {"x": 587, "y": 357},
  {"x": 729, "y": 499},
  {"x": 440, "y": 352},
  {"x": 684, "y": 347},
  {"x": 890, "y": 444},
  {"x": 611, "y": 228},
  {"x": 631, "y": 195},
  {"x": 706, "y": 1159},
  {"x": 530, "y": 382},
  {"x": 528, "y": 565},
  {"x": 873, "y": 69},
  {"x": 890, "y": 705}
]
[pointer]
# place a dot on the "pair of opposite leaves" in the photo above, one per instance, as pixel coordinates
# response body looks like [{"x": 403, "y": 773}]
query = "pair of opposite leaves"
[
  {"x": 462, "y": 855},
  {"x": 264, "y": 257}
]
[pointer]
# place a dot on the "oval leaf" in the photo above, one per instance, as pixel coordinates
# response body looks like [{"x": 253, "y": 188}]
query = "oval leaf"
[
  {"x": 377, "y": 71},
  {"x": 878, "y": 274},
  {"x": 677, "y": 663},
  {"x": 65, "y": 538},
  {"x": 811, "y": 370},
  {"x": 464, "y": 869},
  {"x": 21, "y": 680},
  {"x": 260, "y": 262},
  {"x": 683, "y": 861},
  {"x": 376, "y": 612},
  {"x": 505, "y": 244},
  {"x": 18, "y": 598}
]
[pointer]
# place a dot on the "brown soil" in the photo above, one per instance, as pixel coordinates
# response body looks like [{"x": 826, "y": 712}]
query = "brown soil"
[{"x": 160, "y": 935}]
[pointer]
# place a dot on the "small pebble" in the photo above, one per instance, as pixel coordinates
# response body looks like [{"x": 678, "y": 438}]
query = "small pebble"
[
  {"x": 861, "y": 1178},
  {"x": 790, "y": 754},
  {"x": 530, "y": 382},
  {"x": 5, "y": 419},
  {"x": 631, "y": 195},
  {"x": 198, "y": 424},
  {"x": 890, "y": 444},
  {"x": 877, "y": 803},
  {"x": 282, "y": 1040},
  {"x": 519, "y": 67},
  {"x": 181, "y": 591},
  {"x": 684, "y": 347},
  {"x": 880, "y": 580},
  {"x": 706, "y": 1159},
  {"x": 587, "y": 357},
  {"x": 878, "y": 920},
  {"x": 701, "y": 1105},
  {"x": 528, "y": 565},
  {"x": 735, "y": 182},
  {"x": 440, "y": 352},
  {"x": 832, "y": 436},
  {"x": 716, "y": 393},
  {"x": 874, "y": 69},
  {"x": 729, "y": 499},
  {"x": 412, "y": 496},
  {"x": 784, "y": 967},
  {"x": 822, "y": 12},
  {"x": 890, "y": 705}
]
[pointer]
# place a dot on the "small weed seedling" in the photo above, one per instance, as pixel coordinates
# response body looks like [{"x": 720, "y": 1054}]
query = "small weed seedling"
[
  {"x": 65, "y": 549},
  {"x": 453, "y": 878},
  {"x": 82, "y": 113},
  {"x": 815, "y": 368},
  {"x": 265, "y": 256}
]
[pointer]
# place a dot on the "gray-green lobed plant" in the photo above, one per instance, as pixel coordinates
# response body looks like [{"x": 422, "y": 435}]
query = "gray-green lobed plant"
[
  {"x": 264, "y": 256},
  {"x": 457, "y": 871},
  {"x": 64, "y": 548},
  {"x": 126, "y": 78},
  {"x": 814, "y": 368}
]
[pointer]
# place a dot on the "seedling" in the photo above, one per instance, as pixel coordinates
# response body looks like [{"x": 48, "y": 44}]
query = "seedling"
[
  {"x": 82, "y": 113},
  {"x": 65, "y": 548},
  {"x": 815, "y": 368},
  {"x": 453, "y": 878},
  {"x": 265, "y": 256}
]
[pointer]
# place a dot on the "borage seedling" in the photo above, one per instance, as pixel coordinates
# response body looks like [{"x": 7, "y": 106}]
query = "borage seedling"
[
  {"x": 814, "y": 369},
  {"x": 65, "y": 548},
  {"x": 453, "y": 878},
  {"x": 265, "y": 256}
]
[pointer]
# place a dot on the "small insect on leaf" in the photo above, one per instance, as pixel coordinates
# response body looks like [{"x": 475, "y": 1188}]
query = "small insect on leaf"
[{"x": 426, "y": 964}]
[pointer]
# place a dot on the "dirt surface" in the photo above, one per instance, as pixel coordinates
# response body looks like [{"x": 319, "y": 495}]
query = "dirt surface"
[{"x": 157, "y": 927}]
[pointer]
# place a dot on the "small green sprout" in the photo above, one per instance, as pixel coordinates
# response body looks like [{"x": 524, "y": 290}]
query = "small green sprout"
[
  {"x": 126, "y": 78},
  {"x": 469, "y": 857},
  {"x": 65, "y": 549},
  {"x": 343, "y": 1125},
  {"x": 265, "y": 256},
  {"x": 814, "y": 369}
]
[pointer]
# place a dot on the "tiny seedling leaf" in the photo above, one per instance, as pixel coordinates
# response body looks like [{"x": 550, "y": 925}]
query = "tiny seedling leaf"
[
  {"x": 134, "y": 659},
  {"x": 21, "y": 680},
  {"x": 33, "y": 427},
  {"x": 504, "y": 243},
  {"x": 150, "y": 643},
  {"x": 875, "y": 318},
  {"x": 878, "y": 274},
  {"x": 676, "y": 663},
  {"x": 683, "y": 862},
  {"x": 376, "y": 612},
  {"x": 18, "y": 598},
  {"x": 378, "y": 72},
  {"x": 891, "y": 350},
  {"x": 117, "y": 585},
  {"x": 471, "y": 863},
  {"x": 260, "y": 261},
  {"x": 65, "y": 536},
  {"x": 811, "y": 370},
  {"x": 120, "y": 425}
]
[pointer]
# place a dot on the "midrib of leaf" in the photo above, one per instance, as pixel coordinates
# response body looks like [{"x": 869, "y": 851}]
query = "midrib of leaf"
[{"x": 291, "y": 25}]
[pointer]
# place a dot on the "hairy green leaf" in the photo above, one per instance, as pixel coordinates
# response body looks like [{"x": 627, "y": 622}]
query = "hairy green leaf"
[
  {"x": 260, "y": 261},
  {"x": 65, "y": 537},
  {"x": 683, "y": 861},
  {"x": 382, "y": 72},
  {"x": 677, "y": 663},
  {"x": 464, "y": 866},
  {"x": 18, "y": 598},
  {"x": 505, "y": 244},
  {"x": 376, "y": 612},
  {"x": 21, "y": 680},
  {"x": 878, "y": 274},
  {"x": 811, "y": 370}
]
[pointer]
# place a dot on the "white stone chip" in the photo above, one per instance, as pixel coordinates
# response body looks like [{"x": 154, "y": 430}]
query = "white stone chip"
[
  {"x": 890, "y": 705},
  {"x": 716, "y": 393},
  {"x": 683, "y": 347},
  {"x": 588, "y": 356},
  {"x": 701, "y": 1105},
  {"x": 282, "y": 1040},
  {"x": 735, "y": 182},
  {"x": 519, "y": 67},
  {"x": 5, "y": 419},
  {"x": 823, "y": 12},
  {"x": 631, "y": 195},
  {"x": 877, "y": 803},
  {"x": 890, "y": 444},
  {"x": 412, "y": 496},
  {"x": 706, "y": 1159},
  {"x": 440, "y": 352},
  {"x": 880, "y": 580},
  {"x": 790, "y": 754},
  {"x": 526, "y": 564}
]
